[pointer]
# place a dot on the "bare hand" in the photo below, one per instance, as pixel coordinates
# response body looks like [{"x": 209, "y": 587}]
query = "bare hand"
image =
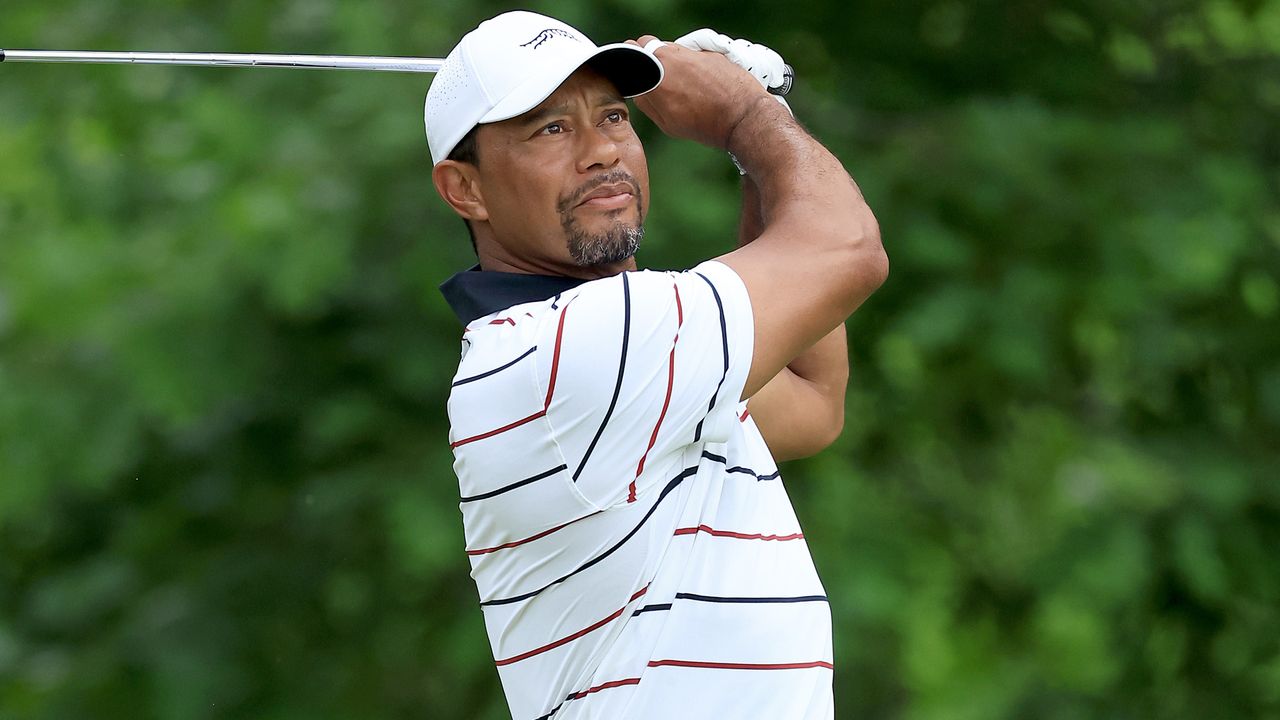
[{"x": 702, "y": 97}]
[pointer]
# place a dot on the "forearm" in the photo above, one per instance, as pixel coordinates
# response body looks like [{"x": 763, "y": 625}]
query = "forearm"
[
  {"x": 800, "y": 411},
  {"x": 794, "y": 187},
  {"x": 825, "y": 366}
]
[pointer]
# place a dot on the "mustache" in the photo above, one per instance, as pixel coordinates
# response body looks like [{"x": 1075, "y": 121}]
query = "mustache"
[{"x": 615, "y": 176}]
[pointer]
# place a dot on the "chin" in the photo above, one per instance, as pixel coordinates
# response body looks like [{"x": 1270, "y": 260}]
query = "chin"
[{"x": 611, "y": 246}]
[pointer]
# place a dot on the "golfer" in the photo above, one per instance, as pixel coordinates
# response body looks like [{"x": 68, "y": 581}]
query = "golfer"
[{"x": 614, "y": 430}]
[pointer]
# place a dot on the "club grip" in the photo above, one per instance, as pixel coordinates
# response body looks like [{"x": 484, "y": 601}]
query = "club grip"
[{"x": 788, "y": 78}]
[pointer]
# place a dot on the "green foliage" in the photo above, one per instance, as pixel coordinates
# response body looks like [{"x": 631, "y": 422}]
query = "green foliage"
[{"x": 225, "y": 488}]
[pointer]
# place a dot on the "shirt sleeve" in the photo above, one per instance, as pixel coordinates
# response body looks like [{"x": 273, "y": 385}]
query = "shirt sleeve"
[{"x": 640, "y": 366}]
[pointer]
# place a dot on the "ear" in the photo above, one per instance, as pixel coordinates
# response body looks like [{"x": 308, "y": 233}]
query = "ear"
[{"x": 459, "y": 184}]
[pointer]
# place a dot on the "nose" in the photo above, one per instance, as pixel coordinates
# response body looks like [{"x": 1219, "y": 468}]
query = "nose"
[{"x": 598, "y": 151}]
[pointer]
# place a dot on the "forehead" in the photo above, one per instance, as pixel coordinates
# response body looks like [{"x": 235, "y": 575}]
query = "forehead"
[
  {"x": 585, "y": 87},
  {"x": 584, "y": 81}
]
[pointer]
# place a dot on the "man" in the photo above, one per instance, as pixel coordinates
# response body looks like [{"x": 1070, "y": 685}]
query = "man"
[{"x": 614, "y": 431}]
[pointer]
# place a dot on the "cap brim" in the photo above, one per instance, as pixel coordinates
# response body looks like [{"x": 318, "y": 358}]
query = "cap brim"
[{"x": 632, "y": 69}]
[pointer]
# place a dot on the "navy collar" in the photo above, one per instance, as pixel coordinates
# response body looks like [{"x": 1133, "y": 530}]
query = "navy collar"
[{"x": 475, "y": 293}]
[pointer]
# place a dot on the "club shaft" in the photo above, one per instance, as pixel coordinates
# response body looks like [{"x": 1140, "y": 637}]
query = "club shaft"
[{"x": 331, "y": 62}]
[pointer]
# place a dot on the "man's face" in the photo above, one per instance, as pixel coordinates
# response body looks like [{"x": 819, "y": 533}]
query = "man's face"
[{"x": 566, "y": 184}]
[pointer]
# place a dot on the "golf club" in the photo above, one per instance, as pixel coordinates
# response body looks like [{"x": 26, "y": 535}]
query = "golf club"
[
  {"x": 329, "y": 62},
  {"x": 324, "y": 62}
]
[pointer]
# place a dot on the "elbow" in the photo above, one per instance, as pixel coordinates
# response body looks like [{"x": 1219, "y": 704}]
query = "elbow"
[
  {"x": 832, "y": 430},
  {"x": 864, "y": 261},
  {"x": 872, "y": 257}
]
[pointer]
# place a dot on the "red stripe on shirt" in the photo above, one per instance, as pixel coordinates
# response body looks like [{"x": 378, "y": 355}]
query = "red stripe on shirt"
[
  {"x": 555, "y": 356},
  {"x": 741, "y": 666},
  {"x": 575, "y": 636},
  {"x": 531, "y": 538},
  {"x": 745, "y": 413},
  {"x": 500, "y": 430},
  {"x": 604, "y": 686},
  {"x": 671, "y": 376},
  {"x": 551, "y": 387},
  {"x": 737, "y": 535},
  {"x": 500, "y": 321}
]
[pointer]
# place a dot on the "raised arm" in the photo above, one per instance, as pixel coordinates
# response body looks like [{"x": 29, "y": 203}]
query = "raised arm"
[
  {"x": 801, "y": 410},
  {"x": 818, "y": 256}
]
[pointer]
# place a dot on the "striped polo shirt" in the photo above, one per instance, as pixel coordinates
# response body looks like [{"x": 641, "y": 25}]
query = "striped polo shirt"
[{"x": 632, "y": 543}]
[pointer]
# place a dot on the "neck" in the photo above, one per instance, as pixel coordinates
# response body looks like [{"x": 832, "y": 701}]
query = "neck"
[
  {"x": 494, "y": 257},
  {"x": 590, "y": 272}
]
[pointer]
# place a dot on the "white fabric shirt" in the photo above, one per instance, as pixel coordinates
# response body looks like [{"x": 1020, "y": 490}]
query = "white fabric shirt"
[{"x": 634, "y": 548}]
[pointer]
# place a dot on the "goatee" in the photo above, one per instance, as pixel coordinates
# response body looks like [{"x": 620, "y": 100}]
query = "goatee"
[{"x": 616, "y": 243}]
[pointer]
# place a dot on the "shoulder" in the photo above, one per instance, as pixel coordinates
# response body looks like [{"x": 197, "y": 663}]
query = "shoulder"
[{"x": 646, "y": 296}]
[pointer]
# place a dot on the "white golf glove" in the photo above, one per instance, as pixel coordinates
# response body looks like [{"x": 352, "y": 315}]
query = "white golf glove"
[{"x": 762, "y": 62}]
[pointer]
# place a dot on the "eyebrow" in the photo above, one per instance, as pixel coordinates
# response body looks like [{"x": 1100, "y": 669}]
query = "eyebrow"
[{"x": 541, "y": 114}]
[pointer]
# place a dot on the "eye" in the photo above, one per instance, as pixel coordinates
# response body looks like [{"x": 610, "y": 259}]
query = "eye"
[
  {"x": 554, "y": 128},
  {"x": 615, "y": 116}
]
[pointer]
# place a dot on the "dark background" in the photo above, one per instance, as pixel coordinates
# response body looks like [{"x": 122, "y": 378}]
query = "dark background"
[{"x": 225, "y": 484}]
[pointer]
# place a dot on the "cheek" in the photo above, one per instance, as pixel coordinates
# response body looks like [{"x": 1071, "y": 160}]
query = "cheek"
[
  {"x": 639, "y": 167},
  {"x": 521, "y": 197}
]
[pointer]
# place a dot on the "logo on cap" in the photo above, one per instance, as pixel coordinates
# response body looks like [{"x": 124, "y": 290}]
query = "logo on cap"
[{"x": 546, "y": 35}]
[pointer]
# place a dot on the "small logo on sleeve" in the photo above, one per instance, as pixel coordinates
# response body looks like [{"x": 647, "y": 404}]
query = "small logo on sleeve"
[{"x": 546, "y": 35}]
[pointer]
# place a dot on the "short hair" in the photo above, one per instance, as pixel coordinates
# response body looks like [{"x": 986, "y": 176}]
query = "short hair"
[{"x": 468, "y": 151}]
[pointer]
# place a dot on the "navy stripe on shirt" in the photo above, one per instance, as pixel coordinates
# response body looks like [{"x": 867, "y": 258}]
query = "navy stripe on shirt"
[
  {"x": 740, "y": 469},
  {"x": 761, "y": 600},
  {"x": 724, "y": 344},
  {"x": 496, "y": 370},
  {"x": 622, "y": 366},
  {"x": 514, "y": 485},
  {"x": 675, "y": 482},
  {"x": 652, "y": 608}
]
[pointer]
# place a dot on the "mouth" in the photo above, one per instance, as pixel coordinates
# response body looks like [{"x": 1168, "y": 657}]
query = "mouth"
[{"x": 608, "y": 197}]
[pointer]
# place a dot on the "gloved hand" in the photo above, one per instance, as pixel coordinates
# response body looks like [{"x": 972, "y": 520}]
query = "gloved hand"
[
  {"x": 762, "y": 62},
  {"x": 703, "y": 95}
]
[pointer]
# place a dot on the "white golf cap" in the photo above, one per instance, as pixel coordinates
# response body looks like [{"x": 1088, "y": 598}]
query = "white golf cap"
[{"x": 511, "y": 63}]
